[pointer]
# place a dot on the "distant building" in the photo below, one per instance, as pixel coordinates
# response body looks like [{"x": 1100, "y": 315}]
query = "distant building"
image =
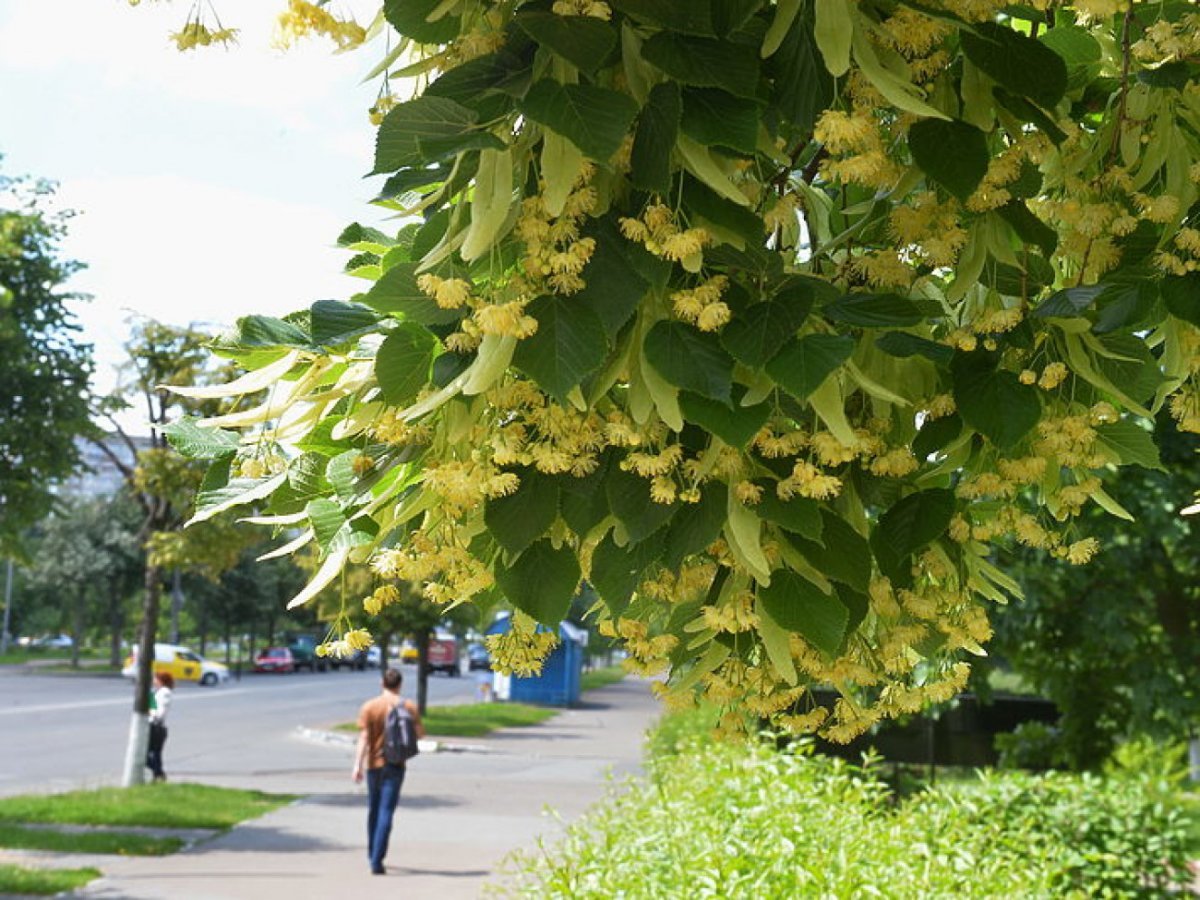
[{"x": 99, "y": 475}]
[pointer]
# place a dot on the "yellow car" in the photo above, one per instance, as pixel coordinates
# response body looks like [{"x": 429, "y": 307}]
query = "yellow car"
[
  {"x": 182, "y": 664},
  {"x": 408, "y": 653}
]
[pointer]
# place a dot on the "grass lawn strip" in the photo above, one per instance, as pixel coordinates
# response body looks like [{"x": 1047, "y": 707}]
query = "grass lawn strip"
[
  {"x": 475, "y": 719},
  {"x": 46, "y": 882},
  {"x": 152, "y": 805},
  {"x": 598, "y": 678},
  {"x": 16, "y": 837}
]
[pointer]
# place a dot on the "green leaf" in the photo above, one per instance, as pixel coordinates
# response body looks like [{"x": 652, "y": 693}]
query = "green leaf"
[
  {"x": 695, "y": 525},
  {"x": 1020, "y": 63},
  {"x": 952, "y": 153},
  {"x": 690, "y": 359},
  {"x": 306, "y": 475},
  {"x": 195, "y": 442},
  {"x": 614, "y": 284},
  {"x": 703, "y": 62},
  {"x": 583, "y": 41},
  {"x": 776, "y": 641},
  {"x": 363, "y": 238},
  {"x": 903, "y": 345},
  {"x": 1182, "y": 296},
  {"x": 1132, "y": 444},
  {"x": 843, "y": 554},
  {"x": 519, "y": 519},
  {"x": 735, "y": 426},
  {"x": 1028, "y": 112},
  {"x": 936, "y": 434},
  {"x": 403, "y": 362},
  {"x": 1029, "y": 228},
  {"x": 267, "y": 331},
  {"x": 756, "y": 335},
  {"x": 569, "y": 344},
  {"x": 874, "y": 310},
  {"x": 796, "y": 604},
  {"x": 684, "y": 16},
  {"x": 396, "y": 294},
  {"x": 426, "y": 130},
  {"x": 326, "y": 519},
  {"x": 658, "y": 125},
  {"x": 1069, "y": 302},
  {"x": 541, "y": 581},
  {"x": 803, "y": 87},
  {"x": 993, "y": 401},
  {"x": 617, "y": 571},
  {"x": 909, "y": 525},
  {"x": 410, "y": 18},
  {"x": 701, "y": 200},
  {"x": 629, "y": 499},
  {"x": 716, "y": 118},
  {"x": 798, "y": 514},
  {"x": 804, "y": 363},
  {"x": 594, "y": 119},
  {"x": 833, "y": 30},
  {"x": 1080, "y": 51},
  {"x": 336, "y": 322}
]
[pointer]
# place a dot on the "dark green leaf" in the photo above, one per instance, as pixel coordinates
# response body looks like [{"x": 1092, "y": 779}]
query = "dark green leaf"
[
  {"x": 1177, "y": 75},
  {"x": 425, "y": 130},
  {"x": 410, "y": 18},
  {"x": 1129, "y": 365},
  {"x": 993, "y": 401},
  {"x": 657, "y": 128},
  {"x": 909, "y": 525},
  {"x": 701, "y": 200},
  {"x": 735, "y": 426},
  {"x": 695, "y": 525},
  {"x": 266, "y": 331},
  {"x": 843, "y": 554},
  {"x": 541, "y": 581},
  {"x": 359, "y": 237},
  {"x": 569, "y": 344},
  {"x": 796, "y": 604},
  {"x": 856, "y": 603},
  {"x": 396, "y": 294},
  {"x": 874, "y": 310},
  {"x": 1029, "y": 228},
  {"x": 903, "y": 345},
  {"x": 411, "y": 179},
  {"x": 1017, "y": 61},
  {"x": 798, "y": 515},
  {"x": 196, "y": 442},
  {"x": 803, "y": 87},
  {"x": 617, "y": 571},
  {"x": 684, "y": 16},
  {"x": 952, "y": 153},
  {"x": 936, "y": 434},
  {"x": 1068, "y": 303},
  {"x": 1028, "y": 112},
  {"x": 402, "y": 363},
  {"x": 594, "y": 119},
  {"x": 629, "y": 499},
  {"x": 716, "y": 118},
  {"x": 804, "y": 363},
  {"x": 1012, "y": 281},
  {"x": 519, "y": 519},
  {"x": 337, "y": 322},
  {"x": 757, "y": 334},
  {"x": 703, "y": 62},
  {"x": 731, "y": 15},
  {"x": 690, "y": 359},
  {"x": 614, "y": 285},
  {"x": 1079, "y": 50},
  {"x": 583, "y": 41},
  {"x": 1182, "y": 296},
  {"x": 1132, "y": 444},
  {"x": 1128, "y": 302}
]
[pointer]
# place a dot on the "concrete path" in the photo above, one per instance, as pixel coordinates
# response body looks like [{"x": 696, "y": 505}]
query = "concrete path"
[{"x": 460, "y": 814}]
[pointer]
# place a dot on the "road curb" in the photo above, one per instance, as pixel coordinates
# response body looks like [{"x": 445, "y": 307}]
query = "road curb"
[{"x": 345, "y": 739}]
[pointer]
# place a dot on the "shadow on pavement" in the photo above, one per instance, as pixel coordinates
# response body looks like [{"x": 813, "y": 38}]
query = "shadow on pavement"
[
  {"x": 442, "y": 873},
  {"x": 263, "y": 839}
]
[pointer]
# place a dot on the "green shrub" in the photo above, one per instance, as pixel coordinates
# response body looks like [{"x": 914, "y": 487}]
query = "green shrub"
[
  {"x": 1031, "y": 745},
  {"x": 717, "y": 820}
]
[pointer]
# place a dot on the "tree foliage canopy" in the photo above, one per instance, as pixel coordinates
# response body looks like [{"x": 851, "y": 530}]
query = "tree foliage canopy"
[
  {"x": 767, "y": 318},
  {"x": 44, "y": 369}
]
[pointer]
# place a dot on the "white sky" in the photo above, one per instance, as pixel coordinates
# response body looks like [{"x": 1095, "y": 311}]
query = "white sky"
[{"x": 209, "y": 184}]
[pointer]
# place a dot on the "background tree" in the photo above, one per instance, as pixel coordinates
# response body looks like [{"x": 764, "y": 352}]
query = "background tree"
[
  {"x": 44, "y": 369},
  {"x": 769, "y": 319},
  {"x": 1117, "y": 645}
]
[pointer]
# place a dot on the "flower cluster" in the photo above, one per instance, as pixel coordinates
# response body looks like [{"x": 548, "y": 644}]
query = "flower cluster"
[
  {"x": 522, "y": 649},
  {"x": 302, "y": 18}
]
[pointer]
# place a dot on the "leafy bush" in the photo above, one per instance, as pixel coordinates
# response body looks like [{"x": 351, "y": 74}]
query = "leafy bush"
[
  {"x": 1031, "y": 745},
  {"x": 718, "y": 820}
]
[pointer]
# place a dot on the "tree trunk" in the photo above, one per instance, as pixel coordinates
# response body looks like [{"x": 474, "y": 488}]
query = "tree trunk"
[
  {"x": 139, "y": 727},
  {"x": 76, "y": 627},
  {"x": 228, "y": 638},
  {"x": 116, "y": 624},
  {"x": 176, "y": 603},
  {"x": 384, "y": 640},
  {"x": 203, "y": 627},
  {"x": 422, "y": 670}
]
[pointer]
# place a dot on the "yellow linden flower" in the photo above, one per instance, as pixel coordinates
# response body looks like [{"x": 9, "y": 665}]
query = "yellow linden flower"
[
  {"x": 748, "y": 492},
  {"x": 1081, "y": 552},
  {"x": 1053, "y": 375}
]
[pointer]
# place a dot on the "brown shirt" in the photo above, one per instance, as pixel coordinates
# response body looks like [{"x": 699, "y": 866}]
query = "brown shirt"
[{"x": 372, "y": 717}]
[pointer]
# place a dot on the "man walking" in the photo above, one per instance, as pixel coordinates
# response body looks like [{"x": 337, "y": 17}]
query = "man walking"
[{"x": 384, "y": 779}]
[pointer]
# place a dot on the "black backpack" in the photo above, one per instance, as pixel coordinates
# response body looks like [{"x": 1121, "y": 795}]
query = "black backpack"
[{"x": 399, "y": 735}]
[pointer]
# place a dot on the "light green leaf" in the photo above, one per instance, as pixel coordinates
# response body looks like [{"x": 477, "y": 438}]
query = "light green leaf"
[
  {"x": 425, "y": 130},
  {"x": 698, "y": 160},
  {"x": 743, "y": 534},
  {"x": 785, "y": 13},
  {"x": 776, "y": 642},
  {"x": 562, "y": 162},
  {"x": 1130, "y": 443},
  {"x": 493, "y": 357},
  {"x": 403, "y": 362},
  {"x": 201, "y": 443},
  {"x": 834, "y": 29},
  {"x": 490, "y": 203},
  {"x": 897, "y": 91}
]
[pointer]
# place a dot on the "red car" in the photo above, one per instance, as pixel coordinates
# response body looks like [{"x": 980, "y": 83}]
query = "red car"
[{"x": 275, "y": 659}]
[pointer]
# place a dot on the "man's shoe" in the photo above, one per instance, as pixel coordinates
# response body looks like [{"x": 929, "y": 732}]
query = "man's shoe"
[{"x": 378, "y": 870}]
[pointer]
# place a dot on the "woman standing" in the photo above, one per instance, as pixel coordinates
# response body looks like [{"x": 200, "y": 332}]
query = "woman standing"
[{"x": 160, "y": 702}]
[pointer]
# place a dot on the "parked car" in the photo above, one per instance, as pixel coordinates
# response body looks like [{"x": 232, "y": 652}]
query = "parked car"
[
  {"x": 374, "y": 658},
  {"x": 357, "y": 660},
  {"x": 478, "y": 657},
  {"x": 304, "y": 655},
  {"x": 181, "y": 663},
  {"x": 443, "y": 655},
  {"x": 54, "y": 642},
  {"x": 408, "y": 653},
  {"x": 275, "y": 659}
]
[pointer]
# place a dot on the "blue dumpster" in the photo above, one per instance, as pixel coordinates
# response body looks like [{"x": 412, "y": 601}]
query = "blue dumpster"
[{"x": 558, "y": 685}]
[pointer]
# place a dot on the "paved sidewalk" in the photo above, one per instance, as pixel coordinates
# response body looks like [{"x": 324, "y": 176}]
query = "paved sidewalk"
[{"x": 460, "y": 814}]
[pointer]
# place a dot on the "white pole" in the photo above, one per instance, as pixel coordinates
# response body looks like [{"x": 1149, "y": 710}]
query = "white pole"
[
  {"x": 135, "y": 750},
  {"x": 5, "y": 636}
]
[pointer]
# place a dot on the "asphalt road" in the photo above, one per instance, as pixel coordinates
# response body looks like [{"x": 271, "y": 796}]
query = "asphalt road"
[{"x": 61, "y": 731}]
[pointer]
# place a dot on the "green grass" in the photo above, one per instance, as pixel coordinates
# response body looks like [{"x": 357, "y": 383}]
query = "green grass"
[
  {"x": 1005, "y": 681},
  {"x": 598, "y": 678},
  {"x": 20, "y": 655},
  {"x": 47, "y": 882},
  {"x": 14, "y": 837},
  {"x": 475, "y": 719},
  {"x": 153, "y": 805}
]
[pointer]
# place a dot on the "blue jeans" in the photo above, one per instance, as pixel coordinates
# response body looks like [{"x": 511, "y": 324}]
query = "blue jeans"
[{"x": 383, "y": 792}]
